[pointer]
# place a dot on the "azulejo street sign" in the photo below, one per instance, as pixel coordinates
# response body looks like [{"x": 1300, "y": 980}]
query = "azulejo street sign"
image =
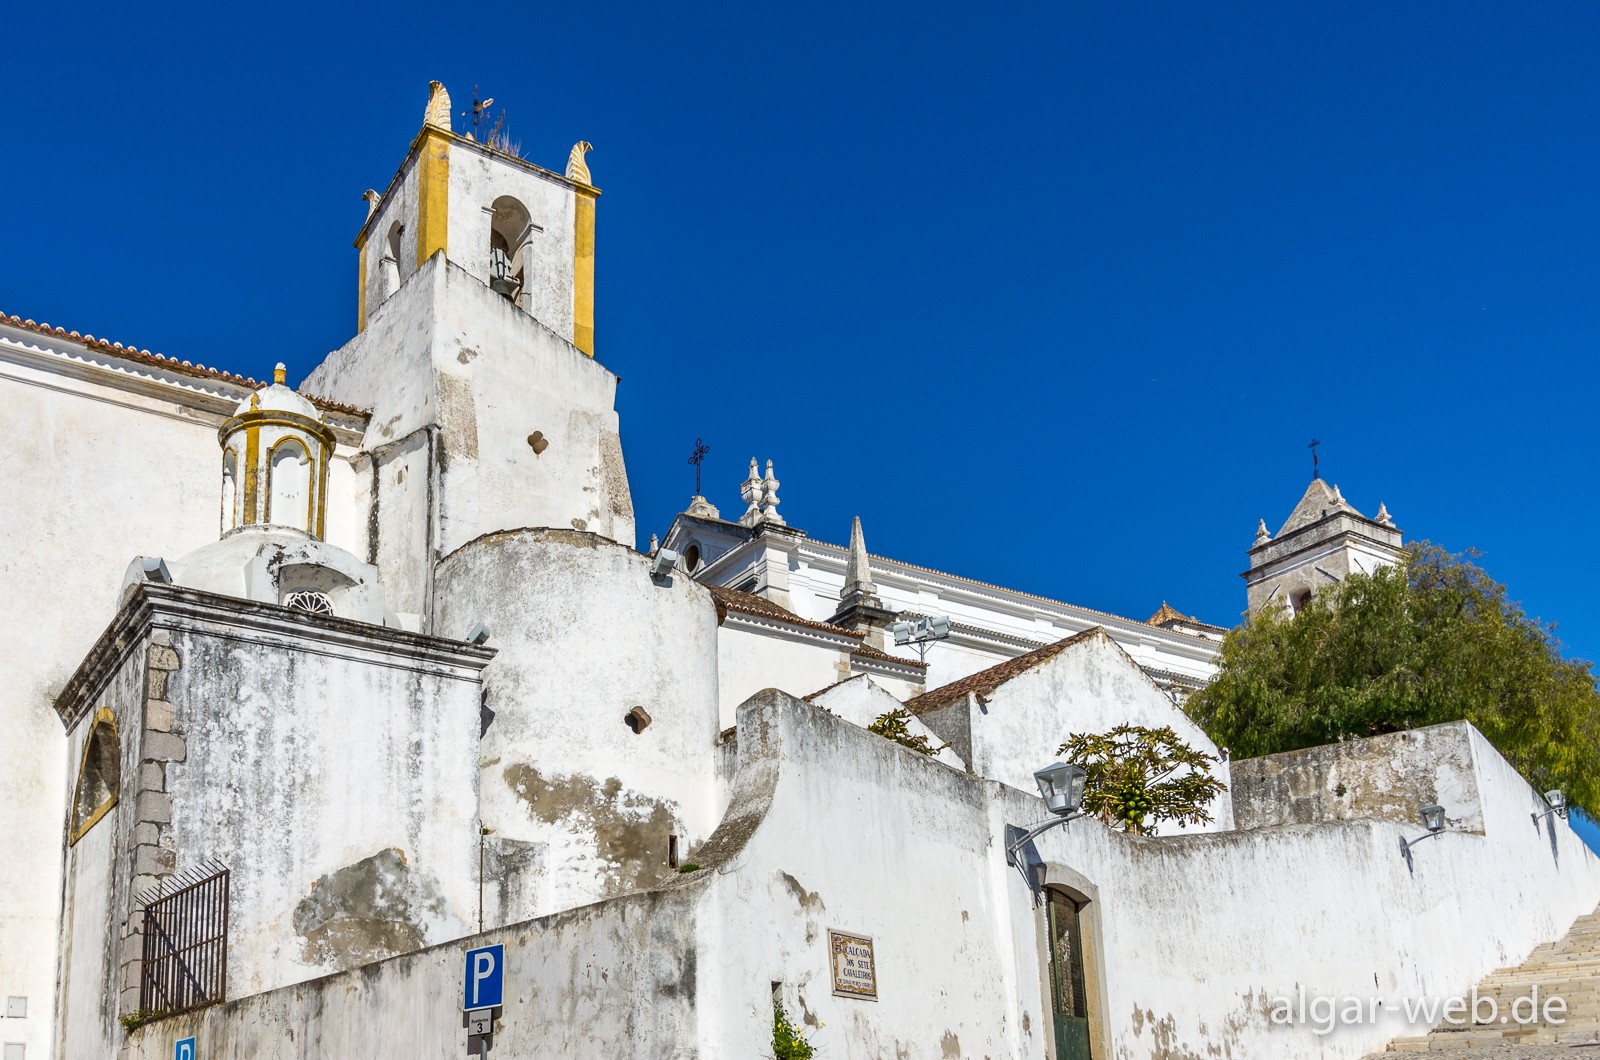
[
  {"x": 854, "y": 974},
  {"x": 485, "y": 982}
]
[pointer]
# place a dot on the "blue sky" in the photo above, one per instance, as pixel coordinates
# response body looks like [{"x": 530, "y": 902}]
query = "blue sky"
[{"x": 1050, "y": 295}]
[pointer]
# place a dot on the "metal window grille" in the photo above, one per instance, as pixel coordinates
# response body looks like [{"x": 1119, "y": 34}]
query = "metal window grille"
[{"x": 185, "y": 963}]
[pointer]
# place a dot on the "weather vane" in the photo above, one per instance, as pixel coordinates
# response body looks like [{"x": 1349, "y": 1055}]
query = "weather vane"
[
  {"x": 1316, "y": 472},
  {"x": 700, "y": 451}
]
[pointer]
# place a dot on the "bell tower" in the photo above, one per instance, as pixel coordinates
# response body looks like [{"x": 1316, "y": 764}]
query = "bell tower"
[
  {"x": 1323, "y": 542},
  {"x": 524, "y": 231},
  {"x": 476, "y": 356}
]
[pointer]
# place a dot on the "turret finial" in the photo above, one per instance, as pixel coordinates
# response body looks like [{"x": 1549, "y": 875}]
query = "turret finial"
[
  {"x": 1263, "y": 535},
  {"x": 279, "y": 373},
  {"x": 577, "y": 165},
  {"x": 438, "y": 112}
]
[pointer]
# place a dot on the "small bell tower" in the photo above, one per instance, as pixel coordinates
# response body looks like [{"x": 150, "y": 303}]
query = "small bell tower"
[
  {"x": 275, "y": 451},
  {"x": 525, "y": 232},
  {"x": 1323, "y": 542}
]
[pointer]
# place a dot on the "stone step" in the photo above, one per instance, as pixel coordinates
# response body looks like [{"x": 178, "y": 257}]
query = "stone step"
[{"x": 1568, "y": 968}]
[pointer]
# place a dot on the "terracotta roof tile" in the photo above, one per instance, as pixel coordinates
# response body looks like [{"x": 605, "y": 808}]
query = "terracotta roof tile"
[
  {"x": 870, "y": 652},
  {"x": 159, "y": 360},
  {"x": 984, "y": 682},
  {"x": 751, "y": 604}
]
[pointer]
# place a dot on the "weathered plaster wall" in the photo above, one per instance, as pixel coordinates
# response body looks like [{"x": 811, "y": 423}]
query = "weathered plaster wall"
[
  {"x": 502, "y": 376},
  {"x": 338, "y": 781},
  {"x": 831, "y": 827},
  {"x": 749, "y": 660},
  {"x": 1387, "y": 777},
  {"x": 96, "y": 896},
  {"x": 584, "y": 636},
  {"x": 615, "y": 980},
  {"x": 330, "y": 765},
  {"x": 100, "y": 474}
]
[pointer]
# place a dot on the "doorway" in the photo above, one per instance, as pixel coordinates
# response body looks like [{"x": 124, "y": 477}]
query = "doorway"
[{"x": 1069, "y": 1002}]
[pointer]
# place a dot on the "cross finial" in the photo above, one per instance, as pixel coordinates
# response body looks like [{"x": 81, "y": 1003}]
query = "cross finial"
[
  {"x": 1316, "y": 472},
  {"x": 697, "y": 458}
]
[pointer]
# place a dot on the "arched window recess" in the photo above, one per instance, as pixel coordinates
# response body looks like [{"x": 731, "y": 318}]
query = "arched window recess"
[{"x": 99, "y": 775}]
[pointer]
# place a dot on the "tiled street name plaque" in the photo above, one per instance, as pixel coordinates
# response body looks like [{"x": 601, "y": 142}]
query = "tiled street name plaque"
[{"x": 853, "y": 972}]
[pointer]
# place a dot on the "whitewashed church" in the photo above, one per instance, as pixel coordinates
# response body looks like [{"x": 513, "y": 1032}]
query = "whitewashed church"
[{"x": 311, "y": 691}]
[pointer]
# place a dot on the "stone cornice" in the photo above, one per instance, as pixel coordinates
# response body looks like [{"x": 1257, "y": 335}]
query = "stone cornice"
[{"x": 153, "y": 606}]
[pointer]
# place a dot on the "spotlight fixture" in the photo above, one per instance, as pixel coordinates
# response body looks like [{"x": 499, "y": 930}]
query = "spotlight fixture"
[
  {"x": 921, "y": 632},
  {"x": 662, "y": 563}
]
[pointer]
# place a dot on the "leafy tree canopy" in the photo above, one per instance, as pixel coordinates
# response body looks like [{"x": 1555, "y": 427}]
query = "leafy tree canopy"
[
  {"x": 1432, "y": 640},
  {"x": 896, "y": 726},
  {"x": 1139, "y": 777}
]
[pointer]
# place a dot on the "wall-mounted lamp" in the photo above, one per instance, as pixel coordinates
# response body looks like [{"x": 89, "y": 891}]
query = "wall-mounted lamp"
[
  {"x": 478, "y": 634},
  {"x": 1557, "y": 803},
  {"x": 1061, "y": 784},
  {"x": 155, "y": 569},
  {"x": 1433, "y": 821}
]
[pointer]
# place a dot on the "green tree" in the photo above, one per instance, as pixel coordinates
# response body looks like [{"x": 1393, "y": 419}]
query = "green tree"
[
  {"x": 1139, "y": 777},
  {"x": 895, "y": 726},
  {"x": 1432, "y": 640}
]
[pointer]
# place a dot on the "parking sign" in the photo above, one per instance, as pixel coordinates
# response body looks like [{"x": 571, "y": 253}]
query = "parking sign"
[
  {"x": 183, "y": 1049},
  {"x": 484, "y": 983}
]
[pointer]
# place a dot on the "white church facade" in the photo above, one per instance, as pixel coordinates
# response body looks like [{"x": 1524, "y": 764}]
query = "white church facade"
[{"x": 313, "y": 690}]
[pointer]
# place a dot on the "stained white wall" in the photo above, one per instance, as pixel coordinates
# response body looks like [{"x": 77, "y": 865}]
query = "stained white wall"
[
  {"x": 584, "y": 635},
  {"x": 102, "y": 474},
  {"x": 749, "y": 660}
]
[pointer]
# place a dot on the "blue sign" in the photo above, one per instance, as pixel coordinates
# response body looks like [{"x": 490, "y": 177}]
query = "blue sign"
[
  {"x": 484, "y": 984},
  {"x": 183, "y": 1049}
]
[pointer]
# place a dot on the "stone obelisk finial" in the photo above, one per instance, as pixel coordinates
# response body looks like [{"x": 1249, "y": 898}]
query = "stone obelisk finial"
[{"x": 858, "y": 589}]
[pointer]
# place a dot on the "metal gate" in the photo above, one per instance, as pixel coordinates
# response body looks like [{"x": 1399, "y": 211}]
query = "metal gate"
[{"x": 185, "y": 963}]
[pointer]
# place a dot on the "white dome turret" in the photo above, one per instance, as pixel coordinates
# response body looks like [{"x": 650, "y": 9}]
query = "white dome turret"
[{"x": 275, "y": 451}]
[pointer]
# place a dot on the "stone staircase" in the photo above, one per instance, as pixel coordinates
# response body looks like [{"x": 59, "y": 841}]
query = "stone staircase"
[{"x": 1568, "y": 968}]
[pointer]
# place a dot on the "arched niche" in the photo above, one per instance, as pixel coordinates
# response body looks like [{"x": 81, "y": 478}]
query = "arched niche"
[
  {"x": 511, "y": 232},
  {"x": 230, "y": 489},
  {"x": 289, "y": 475},
  {"x": 389, "y": 264},
  {"x": 99, "y": 775}
]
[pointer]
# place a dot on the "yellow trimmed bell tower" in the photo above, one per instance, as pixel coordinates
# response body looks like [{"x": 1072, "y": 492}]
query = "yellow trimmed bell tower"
[{"x": 525, "y": 232}]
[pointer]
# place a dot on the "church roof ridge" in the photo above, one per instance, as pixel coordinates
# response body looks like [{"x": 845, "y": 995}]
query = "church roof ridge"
[
  {"x": 984, "y": 682},
  {"x": 161, "y": 360},
  {"x": 880, "y": 559}
]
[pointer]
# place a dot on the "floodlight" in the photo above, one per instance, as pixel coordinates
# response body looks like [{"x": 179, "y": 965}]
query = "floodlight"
[
  {"x": 661, "y": 566},
  {"x": 478, "y": 634}
]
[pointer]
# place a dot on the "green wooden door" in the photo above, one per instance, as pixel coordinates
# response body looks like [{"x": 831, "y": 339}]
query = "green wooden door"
[{"x": 1070, "y": 1008}]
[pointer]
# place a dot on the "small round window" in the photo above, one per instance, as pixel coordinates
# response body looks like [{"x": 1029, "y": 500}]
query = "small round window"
[{"x": 691, "y": 557}]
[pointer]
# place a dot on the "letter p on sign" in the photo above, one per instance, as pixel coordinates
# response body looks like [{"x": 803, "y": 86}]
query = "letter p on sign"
[{"x": 485, "y": 982}]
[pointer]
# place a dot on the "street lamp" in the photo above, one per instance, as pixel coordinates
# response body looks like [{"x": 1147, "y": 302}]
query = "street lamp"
[
  {"x": 1061, "y": 784},
  {"x": 1557, "y": 803},
  {"x": 1433, "y": 821}
]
